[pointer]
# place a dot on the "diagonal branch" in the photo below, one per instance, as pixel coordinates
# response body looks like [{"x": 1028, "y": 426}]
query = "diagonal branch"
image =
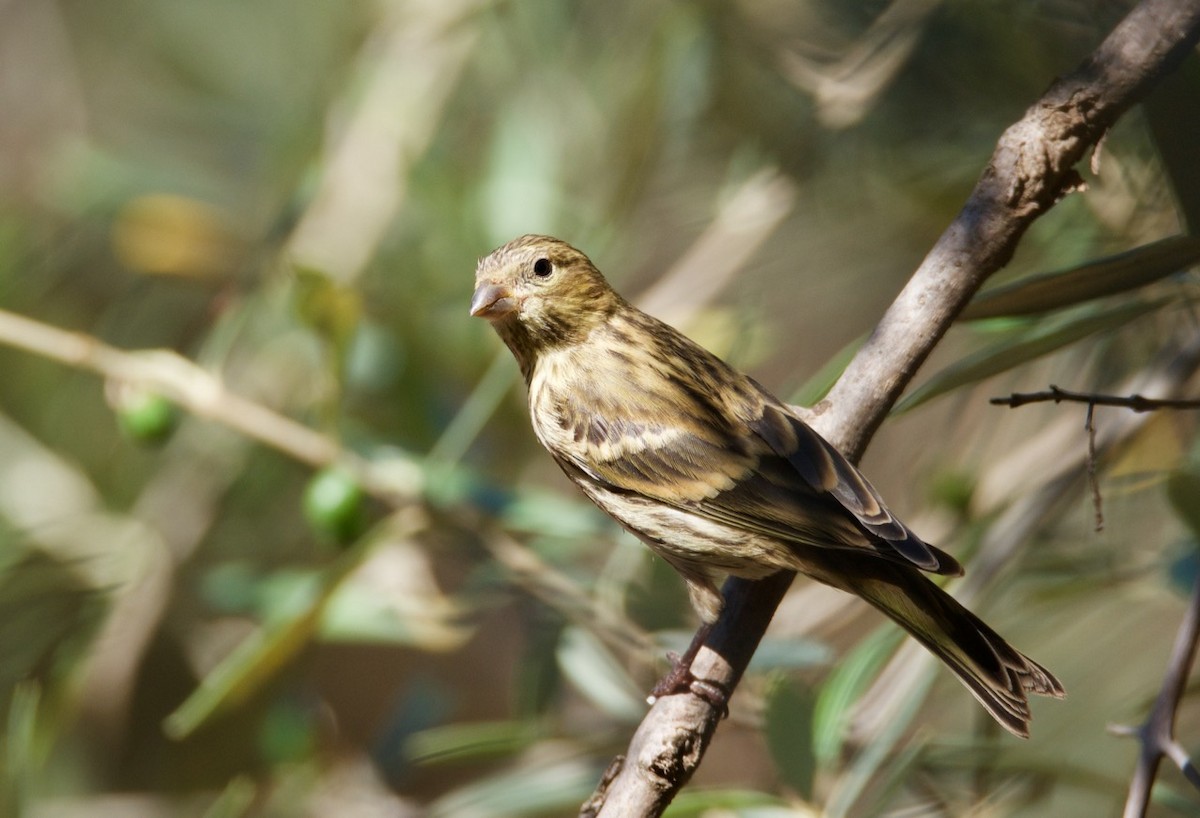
[{"x": 1031, "y": 169}]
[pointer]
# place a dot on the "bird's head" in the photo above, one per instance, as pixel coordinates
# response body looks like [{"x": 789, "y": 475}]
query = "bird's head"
[{"x": 540, "y": 292}]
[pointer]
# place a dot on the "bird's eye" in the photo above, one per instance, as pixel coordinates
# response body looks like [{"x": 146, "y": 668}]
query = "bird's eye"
[{"x": 542, "y": 267}]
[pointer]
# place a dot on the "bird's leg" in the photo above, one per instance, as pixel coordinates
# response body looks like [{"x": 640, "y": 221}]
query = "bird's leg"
[{"x": 679, "y": 678}]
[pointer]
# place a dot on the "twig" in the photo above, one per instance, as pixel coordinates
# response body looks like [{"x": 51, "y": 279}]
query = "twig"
[
  {"x": 1023, "y": 508},
  {"x": 562, "y": 593},
  {"x": 1135, "y": 402},
  {"x": 204, "y": 395},
  {"x": 1093, "y": 479},
  {"x": 396, "y": 481},
  {"x": 1031, "y": 170},
  {"x": 1157, "y": 733}
]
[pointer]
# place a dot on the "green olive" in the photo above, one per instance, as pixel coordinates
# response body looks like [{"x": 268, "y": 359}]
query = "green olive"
[
  {"x": 333, "y": 505},
  {"x": 146, "y": 417}
]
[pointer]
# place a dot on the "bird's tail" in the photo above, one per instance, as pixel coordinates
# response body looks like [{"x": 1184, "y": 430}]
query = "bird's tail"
[{"x": 997, "y": 674}]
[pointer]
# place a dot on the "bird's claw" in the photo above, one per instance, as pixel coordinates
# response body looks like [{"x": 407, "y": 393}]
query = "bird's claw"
[{"x": 681, "y": 680}]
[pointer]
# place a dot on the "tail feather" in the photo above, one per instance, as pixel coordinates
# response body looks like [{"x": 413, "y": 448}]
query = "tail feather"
[{"x": 998, "y": 675}]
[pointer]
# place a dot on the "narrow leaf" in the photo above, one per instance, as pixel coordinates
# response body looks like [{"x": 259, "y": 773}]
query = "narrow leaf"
[
  {"x": 1042, "y": 339},
  {"x": 1095, "y": 279},
  {"x": 821, "y": 381},
  {"x": 547, "y": 788},
  {"x": 788, "y": 729},
  {"x": 253, "y": 663},
  {"x": 1183, "y": 491},
  {"x": 470, "y": 742},
  {"x": 235, "y": 800},
  {"x": 589, "y": 666},
  {"x": 698, "y": 803},
  {"x": 843, "y": 688}
]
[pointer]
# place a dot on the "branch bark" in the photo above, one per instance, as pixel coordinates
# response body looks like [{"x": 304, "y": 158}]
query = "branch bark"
[{"x": 1031, "y": 169}]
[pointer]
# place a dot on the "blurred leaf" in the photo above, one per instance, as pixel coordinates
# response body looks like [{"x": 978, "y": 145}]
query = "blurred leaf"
[
  {"x": 525, "y": 166},
  {"x": 166, "y": 234},
  {"x": 555, "y": 787},
  {"x": 843, "y": 687},
  {"x": 254, "y": 662},
  {"x": 539, "y": 678},
  {"x": 46, "y": 614},
  {"x": 235, "y": 800},
  {"x": 375, "y": 360},
  {"x": 287, "y": 732},
  {"x": 244, "y": 671},
  {"x": 1094, "y": 279},
  {"x": 474, "y": 413},
  {"x": 820, "y": 382},
  {"x": 1184, "y": 569},
  {"x": 788, "y": 730},
  {"x": 478, "y": 741},
  {"x": 426, "y": 702},
  {"x": 1174, "y": 122},
  {"x": 693, "y": 803},
  {"x": 553, "y": 514},
  {"x": 952, "y": 489},
  {"x": 1041, "y": 339},
  {"x": 774, "y": 653},
  {"x": 333, "y": 310},
  {"x": 793, "y": 653},
  {"x": 591, "y": 668},
  {"x": 359, "y": 612},
  {"x": 885, "y": 759},
  {"x": 1180, "y": 801},
  {"x": 1183, "y": 492},
  {"x": 22, "y": 758},
  {"x": 657, "y": 599}
]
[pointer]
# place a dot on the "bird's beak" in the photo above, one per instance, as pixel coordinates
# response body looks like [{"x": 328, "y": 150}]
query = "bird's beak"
[{"x": 492, "y": 301}]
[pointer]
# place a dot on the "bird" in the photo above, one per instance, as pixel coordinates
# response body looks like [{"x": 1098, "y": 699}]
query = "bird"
[{"x": 714, "y": 473}]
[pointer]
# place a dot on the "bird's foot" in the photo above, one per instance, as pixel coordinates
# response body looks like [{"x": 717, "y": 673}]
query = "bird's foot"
[{"x": 680, "y": 679}]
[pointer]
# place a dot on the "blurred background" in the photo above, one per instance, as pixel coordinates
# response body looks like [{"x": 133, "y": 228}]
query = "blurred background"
[{"x": 275, "y": 536}]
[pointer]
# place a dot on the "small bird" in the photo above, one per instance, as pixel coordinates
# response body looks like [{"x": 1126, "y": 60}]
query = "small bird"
[{"x": 714, "y": 473}]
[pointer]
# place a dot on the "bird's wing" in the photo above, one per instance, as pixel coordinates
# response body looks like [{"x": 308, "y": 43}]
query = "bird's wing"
[
  {"x": 826, "y": 471},
  {"x": 770, "y": 474}
]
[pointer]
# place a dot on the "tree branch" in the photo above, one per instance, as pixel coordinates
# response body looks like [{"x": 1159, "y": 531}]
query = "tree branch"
[
  {"x": 1137, "y": 403},
  {"x": 1031, "y": 169},
  {"x": 1157, "y": 733},
  {"x": 205, "y": 395}
]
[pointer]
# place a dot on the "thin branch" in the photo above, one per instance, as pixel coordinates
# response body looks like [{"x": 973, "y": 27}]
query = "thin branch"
[
  {"x": 1023, "y": 508},
  {"x": 1135, "y": 402},
  {"x": 203, "y": 394},
  {"x": 1093, "y": 473},
  {"x": 394, "y": 481},
  {"x": 1157, "y": 733},
  {"x": 1031, "y": 170}
]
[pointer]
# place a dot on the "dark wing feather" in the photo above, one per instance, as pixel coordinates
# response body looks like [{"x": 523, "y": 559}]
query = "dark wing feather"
[{"x": 825, "y": 469}]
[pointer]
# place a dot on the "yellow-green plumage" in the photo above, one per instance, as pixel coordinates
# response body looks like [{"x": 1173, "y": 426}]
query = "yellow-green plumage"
[{"x": 712, "y": 471}]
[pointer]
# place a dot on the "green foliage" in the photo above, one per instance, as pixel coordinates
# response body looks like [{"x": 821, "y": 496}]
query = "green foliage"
[
  {"x": 788, "y": 730},
  {"x": 1025, "y": 344},
  {"x": 293, "y": 196}
]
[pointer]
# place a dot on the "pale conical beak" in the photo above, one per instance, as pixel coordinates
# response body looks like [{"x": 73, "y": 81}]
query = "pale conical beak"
[{"x": 492, "y": 301}]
